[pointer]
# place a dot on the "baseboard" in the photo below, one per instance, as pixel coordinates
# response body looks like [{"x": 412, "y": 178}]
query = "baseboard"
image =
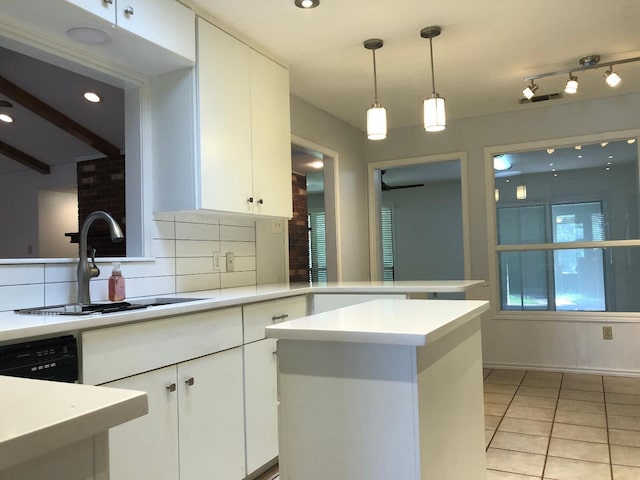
[{"x": 563, "y": 369}]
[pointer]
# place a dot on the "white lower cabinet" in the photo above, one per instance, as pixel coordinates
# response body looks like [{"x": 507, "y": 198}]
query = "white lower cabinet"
[
  {"x": 261, "y": 402},
  {"x": 195, "y": 426}
]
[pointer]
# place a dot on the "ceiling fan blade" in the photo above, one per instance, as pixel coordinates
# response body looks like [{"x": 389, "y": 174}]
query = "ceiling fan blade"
[{"x": 406, "y": 186}]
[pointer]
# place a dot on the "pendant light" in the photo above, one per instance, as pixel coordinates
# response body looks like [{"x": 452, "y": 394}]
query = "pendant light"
[
  {"x": 377, "y": 114},
  {"x": 434, "y": 114}
]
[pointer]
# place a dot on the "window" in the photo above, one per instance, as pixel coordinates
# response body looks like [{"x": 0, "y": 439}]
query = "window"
[
  {"x": 317, "y": 247},
  {"x": 572, "y": 241},
  {"x": 386, "y": 215}
]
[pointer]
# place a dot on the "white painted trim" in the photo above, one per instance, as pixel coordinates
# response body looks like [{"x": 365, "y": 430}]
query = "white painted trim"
[
  {"x": 492, "y": 234},
  {"x": 331, "y": 214},
  {"x": 373, "y": 187}
]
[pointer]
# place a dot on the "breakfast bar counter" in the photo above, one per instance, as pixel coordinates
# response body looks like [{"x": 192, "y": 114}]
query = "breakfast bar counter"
[{"x": 383, "y": 389}]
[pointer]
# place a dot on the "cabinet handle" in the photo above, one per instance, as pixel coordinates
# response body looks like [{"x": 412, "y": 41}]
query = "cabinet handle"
[
  {"x": 108, "y": 2},
  {"x": 171, "y": 387},
  {"x": 260, "y": 201},
  {"x": 250, "y": 199},
  {"x": 128, "y": 10},
  {"x": 275, "y": 353},
  {"x": 190, "y": 381},
  {"x": 279, "y": 317}
]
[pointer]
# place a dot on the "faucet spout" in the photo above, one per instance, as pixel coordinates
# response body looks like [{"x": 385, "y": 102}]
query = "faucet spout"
[{"x": 85, "y": 271}]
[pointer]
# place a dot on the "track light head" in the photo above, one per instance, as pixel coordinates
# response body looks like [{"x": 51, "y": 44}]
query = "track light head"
[
  {"x": 572, "y": 85},
  {"x": 612, "y": 78},
  {"x": 530, "y": 91}
]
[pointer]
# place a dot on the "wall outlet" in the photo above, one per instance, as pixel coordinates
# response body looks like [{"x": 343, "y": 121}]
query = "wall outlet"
[
  {"x": 217, "y": 262},
  {"x": 607, "y": 333},
  {"x": 231, "y": 263},
  {"x": 276, "y": 226}
]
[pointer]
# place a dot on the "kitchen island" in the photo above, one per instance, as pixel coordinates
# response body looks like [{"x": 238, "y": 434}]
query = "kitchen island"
[
  {"x": 384, "y": 389},
  {"x": 58, "y": 431}
]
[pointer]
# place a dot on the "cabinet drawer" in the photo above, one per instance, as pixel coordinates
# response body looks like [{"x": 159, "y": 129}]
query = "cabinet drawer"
[
  {"x": 117, "y": 352},
  {"x": 257, "y": 316}
]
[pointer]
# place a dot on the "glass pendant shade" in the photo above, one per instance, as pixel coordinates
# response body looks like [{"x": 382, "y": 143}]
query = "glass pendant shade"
[
  {"x": 434, "y": 114},
  {"x": 612, "y": 78},
  {"x": 521, "y": 192},
  {"x": 377, "y": 122},
  {"x": 572, "y": 85}
]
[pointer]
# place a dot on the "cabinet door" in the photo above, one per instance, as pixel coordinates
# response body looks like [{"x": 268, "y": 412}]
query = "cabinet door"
[
  {"x": 164, "y": 22},
  {"x": 261, "y": 403},
  {"x": 224, "y": 112},
  {"x": 271, "y": 137},
  {"x": 147, "y": 447},
  {"x": 212, "y": 417},
  {"x": 102, "y": 8}
]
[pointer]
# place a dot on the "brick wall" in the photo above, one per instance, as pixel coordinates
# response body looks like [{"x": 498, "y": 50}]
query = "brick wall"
[
  {"x": 101, "y": 187},
  {"x": 299, "y": 232}
]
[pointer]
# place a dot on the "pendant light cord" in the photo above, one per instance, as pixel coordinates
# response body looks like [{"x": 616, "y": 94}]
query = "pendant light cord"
[
  {"x": 433, "y": 75},
  {"x": 375, "y": 77}
]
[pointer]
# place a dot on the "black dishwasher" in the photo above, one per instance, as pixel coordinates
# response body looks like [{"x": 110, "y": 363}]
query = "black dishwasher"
[{"x": 53, "y": 359}]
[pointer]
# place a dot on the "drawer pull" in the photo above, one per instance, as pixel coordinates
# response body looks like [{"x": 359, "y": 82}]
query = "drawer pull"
[
  {"x": 128, "y": 10},
  {"x": 171, "y": 387},
  {"x": 190, "y": 381},
  {"x": 279, "y": 317},
  {"x": 108, "y": 2}
]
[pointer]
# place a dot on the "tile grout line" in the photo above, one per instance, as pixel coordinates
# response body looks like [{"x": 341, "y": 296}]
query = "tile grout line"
[
  {"x": 553, "y": 423},
  {"x": 606, "y": 425},
  {"x": 505, "y": 411}
]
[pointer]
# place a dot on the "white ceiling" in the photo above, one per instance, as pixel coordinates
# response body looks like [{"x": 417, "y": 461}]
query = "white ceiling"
[{"x": 485, "y": 49}]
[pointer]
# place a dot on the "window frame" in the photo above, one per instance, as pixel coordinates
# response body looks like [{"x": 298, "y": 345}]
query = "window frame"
[{"x": 494, "y": 248}]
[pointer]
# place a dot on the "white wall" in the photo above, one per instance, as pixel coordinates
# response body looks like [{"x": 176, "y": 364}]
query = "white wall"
[
  {"x": 317, "y": 126},
  {"x": 530, "y": 343},
  {"x": 57, "y": 215}
]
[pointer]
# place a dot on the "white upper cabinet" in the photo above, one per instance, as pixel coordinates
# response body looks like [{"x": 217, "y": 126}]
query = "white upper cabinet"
[
  {"x": 236, "y": 155},
  {"x": 166, "y": 23},
  {"x": 102, "y": 8}
]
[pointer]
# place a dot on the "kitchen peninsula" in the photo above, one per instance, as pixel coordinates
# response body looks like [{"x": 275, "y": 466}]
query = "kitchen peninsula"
[{"x": 384, "y": 389}]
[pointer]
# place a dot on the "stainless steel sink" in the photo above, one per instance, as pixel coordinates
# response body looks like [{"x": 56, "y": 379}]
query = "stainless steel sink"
[{"x": 112, "y": 307}]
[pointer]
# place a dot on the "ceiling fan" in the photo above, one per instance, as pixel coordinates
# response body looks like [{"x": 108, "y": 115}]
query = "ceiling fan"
[{"x": 386, "y": 188}]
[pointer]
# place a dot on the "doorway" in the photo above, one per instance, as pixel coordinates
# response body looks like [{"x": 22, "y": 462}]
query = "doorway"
[
  {"x": 313, "y": 233},
  {"x": 419, "y": 220}
]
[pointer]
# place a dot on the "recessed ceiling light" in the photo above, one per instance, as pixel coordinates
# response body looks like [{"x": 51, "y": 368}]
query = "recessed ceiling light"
[
  {"x": 631, "y": 141},
  {"x": 89, "y": 36},
  {"x": 6, "y": 118},
  {"x": 579, "y": 156},
  {"x": 307, "y": 3},
  {"x": 578, "y": 147},
  {"x": 92, "y": 97},
  {"x": 610, "y": 156}
]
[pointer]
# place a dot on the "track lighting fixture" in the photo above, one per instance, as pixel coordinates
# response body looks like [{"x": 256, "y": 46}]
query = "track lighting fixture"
[
  {"x": 612, "y": 78},
  {"x": 589, "y": 62},
  {"x": 377, "y": 114},
  {"x": 5, "y": 117},
  {"x": 572, "y": 85},
  {"x": 530, "y": 91},
  {"x": 434, "y": 112}
]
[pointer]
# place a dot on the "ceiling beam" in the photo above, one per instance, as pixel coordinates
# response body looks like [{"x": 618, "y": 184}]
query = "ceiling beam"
[
  {"x": 23, "y": 158},
  {"x": 57, "y": 118}
]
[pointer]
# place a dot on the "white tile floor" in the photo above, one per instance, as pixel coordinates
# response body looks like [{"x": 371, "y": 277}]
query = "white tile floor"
[{"x": 561, "y": 426}]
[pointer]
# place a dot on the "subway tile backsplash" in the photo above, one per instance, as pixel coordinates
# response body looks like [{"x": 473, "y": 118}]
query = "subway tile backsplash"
[{"x": 183, "y": 246}]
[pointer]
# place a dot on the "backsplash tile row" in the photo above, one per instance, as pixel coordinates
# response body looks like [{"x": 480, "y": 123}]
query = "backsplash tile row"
[{"x": 183, "y": 247}]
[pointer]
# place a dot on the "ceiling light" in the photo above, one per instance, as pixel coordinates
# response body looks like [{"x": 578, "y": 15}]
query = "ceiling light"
[
  {"x": 572, "y": 85},
  {"x": 92, "y": 97},
  {"x": 500, "y": 162},
  {"x": 434, "y": 112},
  {"x": 307, "y": 3},
  {"x": 530, "y": 91},
  {"x": 521, "y": 192},
  {"x": 550, "y": 150},
  {"x": 318, "y": 164},
  {"x": 496, "y": 194},
  {"x": 377, "y": 114},
  {"x": 578, "y": 147},
  {"x": 604, "y": 144},
  {"x": 612, "y": 78},
  {"x": 631, "y": 141},
  {"x": 579, "y": 156},
  {"x": 6, "y": 118}
]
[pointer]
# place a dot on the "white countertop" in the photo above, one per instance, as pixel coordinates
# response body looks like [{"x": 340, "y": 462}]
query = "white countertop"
[
  {"x": 396, "y": 322},
  {"x": 17, "y": 327},
  {"x": 40, "y": 416}
]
